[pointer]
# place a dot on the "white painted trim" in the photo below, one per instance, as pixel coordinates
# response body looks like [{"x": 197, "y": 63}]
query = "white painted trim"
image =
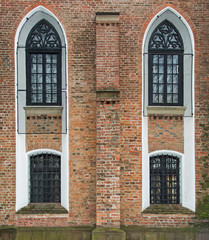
[
  {"x": 188, "y": 158},
  {"x": 22, "y": 173}
]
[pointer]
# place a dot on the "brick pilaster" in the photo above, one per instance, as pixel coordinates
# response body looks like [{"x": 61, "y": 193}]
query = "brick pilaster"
[{"x": 108, "y": 120}]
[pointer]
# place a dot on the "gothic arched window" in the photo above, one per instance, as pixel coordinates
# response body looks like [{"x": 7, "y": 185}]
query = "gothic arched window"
[
  {"x": 166, "y": 66},
  {"x": 43, "y": 48}
]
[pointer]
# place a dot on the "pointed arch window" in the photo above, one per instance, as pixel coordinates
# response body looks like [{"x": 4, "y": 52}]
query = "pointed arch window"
[
  {"x": 43, "y": 50},
  {"x": 166, "y": 66}
]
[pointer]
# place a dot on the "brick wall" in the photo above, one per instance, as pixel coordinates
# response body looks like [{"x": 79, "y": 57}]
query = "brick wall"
[
  {"x": 78, "y": 20},
  {"x": 166, "y": 132}
]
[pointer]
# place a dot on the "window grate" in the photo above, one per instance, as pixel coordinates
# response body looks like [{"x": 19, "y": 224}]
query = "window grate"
[
  {"x": 45, "y": 178},
  {"x": 164, "y": 180}
]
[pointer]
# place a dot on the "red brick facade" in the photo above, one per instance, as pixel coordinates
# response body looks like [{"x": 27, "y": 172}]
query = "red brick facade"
[{"x": 105, "y": 113}]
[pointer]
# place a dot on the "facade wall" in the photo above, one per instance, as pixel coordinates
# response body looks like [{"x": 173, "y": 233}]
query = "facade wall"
[{"x": 78, "y": 19}]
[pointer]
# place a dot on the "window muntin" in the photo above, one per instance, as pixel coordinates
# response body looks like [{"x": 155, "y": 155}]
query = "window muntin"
[
  {"x": 43, "y": 65},
  {"x": 45, "y": 178},
  {"x": 164, "y": 179},
  {"x": 166, "y": 66}
]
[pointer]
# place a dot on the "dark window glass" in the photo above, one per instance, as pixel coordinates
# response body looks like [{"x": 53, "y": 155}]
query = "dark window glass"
[
  {"x": 45, "y": 178},
  {"x": 164, "y": 180},
  {"x": 43, "y": 66},
  {"x": 165, "y": 66}
]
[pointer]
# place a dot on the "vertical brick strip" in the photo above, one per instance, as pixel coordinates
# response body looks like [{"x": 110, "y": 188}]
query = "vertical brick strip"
[{"x": 108, "y": 120}]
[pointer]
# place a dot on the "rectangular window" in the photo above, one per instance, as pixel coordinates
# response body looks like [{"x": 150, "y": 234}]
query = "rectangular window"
[
  {"x": 166, "y": 85},
  {"x": 45, "y": 181},
  {"x": 44, "y": 80},
  {"x": 164, "y": 180}
]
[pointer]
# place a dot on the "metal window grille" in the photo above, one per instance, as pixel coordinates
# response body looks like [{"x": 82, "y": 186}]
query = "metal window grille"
[
  {"x": 43, "y": 65},
  {"x": 164, "y": 180},
  {"x": 45, "y": 181},
  {"x": 166, "y": 66}
]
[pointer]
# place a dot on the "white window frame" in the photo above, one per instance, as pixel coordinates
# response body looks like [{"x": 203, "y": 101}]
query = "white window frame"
[
  {"x": 188, "y": 162},
  {"x": 22, "y": 177}
]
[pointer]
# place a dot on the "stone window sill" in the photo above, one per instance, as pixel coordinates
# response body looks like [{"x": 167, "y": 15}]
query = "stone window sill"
[
  {"x": 167, "y": 209},
  {"x": 43, "y": 208},
  {"x": 43, "y": 110},
  {"x": 166, "y": 110}
]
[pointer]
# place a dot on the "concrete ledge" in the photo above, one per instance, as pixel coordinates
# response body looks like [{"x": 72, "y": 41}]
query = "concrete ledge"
[
  {"x": 108, "y": 234},
  {"x": 107, "y": 17},
  {"x": 41, "y": 110},
  {"x": 43, "y": 208},
  {"x": 108, "y": 94},
  {"x": 166, "y": 110}
]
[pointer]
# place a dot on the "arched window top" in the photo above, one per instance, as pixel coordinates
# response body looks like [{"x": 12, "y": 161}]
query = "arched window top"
[
  {"x": 43, "y": 36},
  {"x": 166, "y": 37}
]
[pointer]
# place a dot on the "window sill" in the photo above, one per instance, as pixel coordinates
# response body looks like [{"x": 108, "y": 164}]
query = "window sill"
[
  {"x": 166, "y": 110},
  {"x": 43, "y": 208},
  {"x": 41, "y": 110},
  {"x": 167, "y": 209}
]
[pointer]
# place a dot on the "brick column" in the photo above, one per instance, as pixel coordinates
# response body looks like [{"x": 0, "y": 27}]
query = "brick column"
[{"x": 108, "y": 120}]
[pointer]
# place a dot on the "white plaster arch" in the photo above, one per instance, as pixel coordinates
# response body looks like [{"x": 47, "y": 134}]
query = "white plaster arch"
[
  {"x": 22, "y": 170},
  {"x": 188, "y": 164}
]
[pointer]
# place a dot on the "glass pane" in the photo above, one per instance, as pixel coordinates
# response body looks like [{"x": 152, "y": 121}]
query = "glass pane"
[
  {"x": 39, "y": 87},
  {"x": 33, "y": 58},
  {"x": 39, "y": 68},
  {"x": 161, "y": 59},
  {"x": 161, "y": 78},
  {"x": 54, "y": 88},
  {"x": 48, "y": 68},
  {"x": 161, "y": 68},
  {"x": 54, "y": 99},
  {"x": 169, "y": 98},
  {"x": 175, "y": 68},
  {"x": 175, "y": 78},
  {"x": 161, "y": 99},
  {"x": 33, "y": 99},
  {"x": 48, "y": 100},
  {"x": 155, "y": 69},
  {"x": 33, "y": 68},
  {"x": 40, "y": 98},
  {"x": 54, "y": 58},
  {"x": 169, "y": 78},
  {"x": 175, "y": 98},
  {"x": 48, "y": 58},
  {"x": 161, "y": 88},
  {"x": 54, "y": 68},
  {"x": 48, "y": 78},
  {"x": 48, "y": 88},
  {"x": 155, "y": 58},
  {"x": 155, "y": 88},
  {"x": 175, "y": 88},
  {"x": 155, "y": 98},
  {"x": 40, "y": 78},
  {"x": 175, "y": 59},
  {"x": 54, "y": 78},
  {"x": 33, "y": 78},
  {"x": 169, "y": 68},
  {"x": 33, "y": 87},
  {"x": 169, "y": 59},
  {"x": 40, "y": 58},
  {"x": 169, "y": 88}
]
